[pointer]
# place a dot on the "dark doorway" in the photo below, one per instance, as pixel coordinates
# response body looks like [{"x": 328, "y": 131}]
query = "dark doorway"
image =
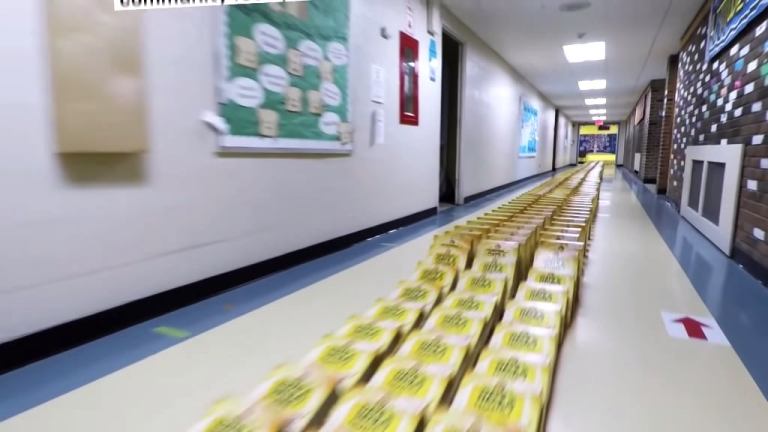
[
  {"x": 557, "y": 139},
  {"x": 449, "y": 124}
]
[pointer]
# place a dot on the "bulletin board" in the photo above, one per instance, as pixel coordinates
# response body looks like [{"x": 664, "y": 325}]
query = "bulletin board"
[
  {"x": 284, "y": 77},
  {"x": 529, "y": 141},
  {"x": 598, "y": 144},
  {"x": 727, "y": 19}
]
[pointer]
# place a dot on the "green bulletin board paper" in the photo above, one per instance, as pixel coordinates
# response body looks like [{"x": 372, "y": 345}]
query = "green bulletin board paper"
[{"x": 285, "y": 77}]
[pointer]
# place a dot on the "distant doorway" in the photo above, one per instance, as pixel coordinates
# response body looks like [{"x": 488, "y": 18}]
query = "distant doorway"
[{"x": 449, "y": 123}]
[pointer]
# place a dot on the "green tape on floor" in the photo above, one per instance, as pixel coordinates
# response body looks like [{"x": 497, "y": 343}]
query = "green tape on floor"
[{"x": 172, "y": 332}]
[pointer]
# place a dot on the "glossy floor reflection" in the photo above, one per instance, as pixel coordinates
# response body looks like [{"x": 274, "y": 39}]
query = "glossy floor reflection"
[
  {"x": 738, "y": 301},
  {"x": 619, "y": 370},
  {"x": 55, "y": 376}
]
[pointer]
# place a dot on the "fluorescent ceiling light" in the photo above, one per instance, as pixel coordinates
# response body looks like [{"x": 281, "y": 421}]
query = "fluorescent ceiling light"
[
  {"x": 599, "y": 84},
  {"x": 597, "y": 111},
  {"x": 595, "y": 101},
  {"x": 599, "y": 118},
  {"x": 578, "y": 53}
]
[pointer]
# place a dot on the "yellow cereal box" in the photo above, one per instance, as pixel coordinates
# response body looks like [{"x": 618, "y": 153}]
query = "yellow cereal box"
[
  {"x": 440, "y": 354},
  {"x": 546, "y": 276},
  {"x": 369, "y": 410},
  {"x": 442, "y": 277},
  {"x": 535, "y": 314},
  {"x": 560, "y": 236},
  {"x": 498, "y": 403},
  {"x": 497, "y": 249},
  {"x": 482, "y": 222},
  {"x": 454, "y": 420},
  {"x": 230, "y": 415},
  {"x": 503, "y": 237},
  {"x": 423, "y": 296},
  {"x": 494, "y": 217},
  {"x": 473, "y": 229},
  {"x": 505, "y": 211},
  {"x": 342, "y": 361},
  {"x": 565, "y": 246},
  {"x": 546, "y": 293},
  {"x": 529, "y": 373},
  {"x": 472, "y": 305},
  {"x": 535, "y": 341},
  {"x": 550, "y": 257},
  {"x": 413, "y": 388},
  {"x": 507, "y": 267},
  {"x": 580, "y": 234},
  {"x": 474, "y": 233},
  {"x": 581, "y": 227},
  {"x": 493, "y": 285},
  {"x": 394, "y": 314},
  {"x": 453, "y": 240},
  {"x": 369, "y": 334},
  {"x": 456, "y": 326},
  {"x": 449, "y": 257},
  {"x": 294, "y": 397}
]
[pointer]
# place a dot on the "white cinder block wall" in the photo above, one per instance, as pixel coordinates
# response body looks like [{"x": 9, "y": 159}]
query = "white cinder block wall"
[{"x": 83, "y": 234}]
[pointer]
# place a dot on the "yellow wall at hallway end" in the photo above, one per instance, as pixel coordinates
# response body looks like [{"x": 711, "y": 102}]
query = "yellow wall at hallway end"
[
  {"x": 608, "y": 158},
  {"x": 593, "y": 130}
]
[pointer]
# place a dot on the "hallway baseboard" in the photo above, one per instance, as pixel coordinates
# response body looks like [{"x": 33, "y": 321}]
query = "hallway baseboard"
[{"x": 36, "y": 346}]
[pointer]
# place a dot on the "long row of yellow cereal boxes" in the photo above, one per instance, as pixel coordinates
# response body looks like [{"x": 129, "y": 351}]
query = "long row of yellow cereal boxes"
[{"x": 468, "y": 343}]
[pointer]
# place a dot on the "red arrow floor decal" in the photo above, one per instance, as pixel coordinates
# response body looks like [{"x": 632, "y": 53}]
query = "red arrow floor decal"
[
  {"x": 691, "y": 327},
  {"x": 694, "y": 328}
]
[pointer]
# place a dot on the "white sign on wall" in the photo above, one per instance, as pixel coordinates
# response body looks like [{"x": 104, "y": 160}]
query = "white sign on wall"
[{"x": 378, "y": 84}]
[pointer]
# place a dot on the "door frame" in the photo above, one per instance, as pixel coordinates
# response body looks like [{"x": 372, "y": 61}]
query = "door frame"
[
  {"x": 458, "y": 189},
  {"x": 555, "y": 142}
]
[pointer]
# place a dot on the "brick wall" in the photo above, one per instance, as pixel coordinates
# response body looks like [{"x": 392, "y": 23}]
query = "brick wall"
[
  {"x": 632, "y": 139},
  {"x": 645, "y": 136},
  {"x": 653, "y": 118},
  {"x": 724, "y": 101},
  {"x": 635, "y": 133},
  {"x": 667, "y": 123}
]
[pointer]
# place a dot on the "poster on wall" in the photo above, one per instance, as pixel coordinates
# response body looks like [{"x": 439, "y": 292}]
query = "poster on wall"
[
  {"x": 597, "y": 144},
  {"x": 284, "y": 78},
  {"x": 727, "y": 19},
  {"x": 529, "y": 141}
]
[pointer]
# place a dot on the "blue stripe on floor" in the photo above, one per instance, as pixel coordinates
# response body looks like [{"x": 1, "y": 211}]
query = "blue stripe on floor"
[
  {"x": 47, "y": 379},
  {"x": 737, "y": 301}
]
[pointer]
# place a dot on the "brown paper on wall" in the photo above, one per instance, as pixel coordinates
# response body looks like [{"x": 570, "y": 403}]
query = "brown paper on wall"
[{"x": 98, "y": 85}]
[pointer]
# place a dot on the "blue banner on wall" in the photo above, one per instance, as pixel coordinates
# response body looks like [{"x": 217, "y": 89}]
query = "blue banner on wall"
[
  {"x": 529, "y": 141},
  {"x": 727, "y": 19}
]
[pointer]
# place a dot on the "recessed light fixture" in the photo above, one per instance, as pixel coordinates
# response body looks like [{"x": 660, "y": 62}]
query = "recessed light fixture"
[
  {"x": 599, "y": 118},
  {"x": 578, "y": 53},
  {"x": 597, "y": 111},
  {"x": 595, "y": 101},
  {"x": 598, "y": 84}
]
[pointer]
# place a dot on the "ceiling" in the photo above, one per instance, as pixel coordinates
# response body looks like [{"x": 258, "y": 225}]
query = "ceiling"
[{"x": 639, "y": 34}]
